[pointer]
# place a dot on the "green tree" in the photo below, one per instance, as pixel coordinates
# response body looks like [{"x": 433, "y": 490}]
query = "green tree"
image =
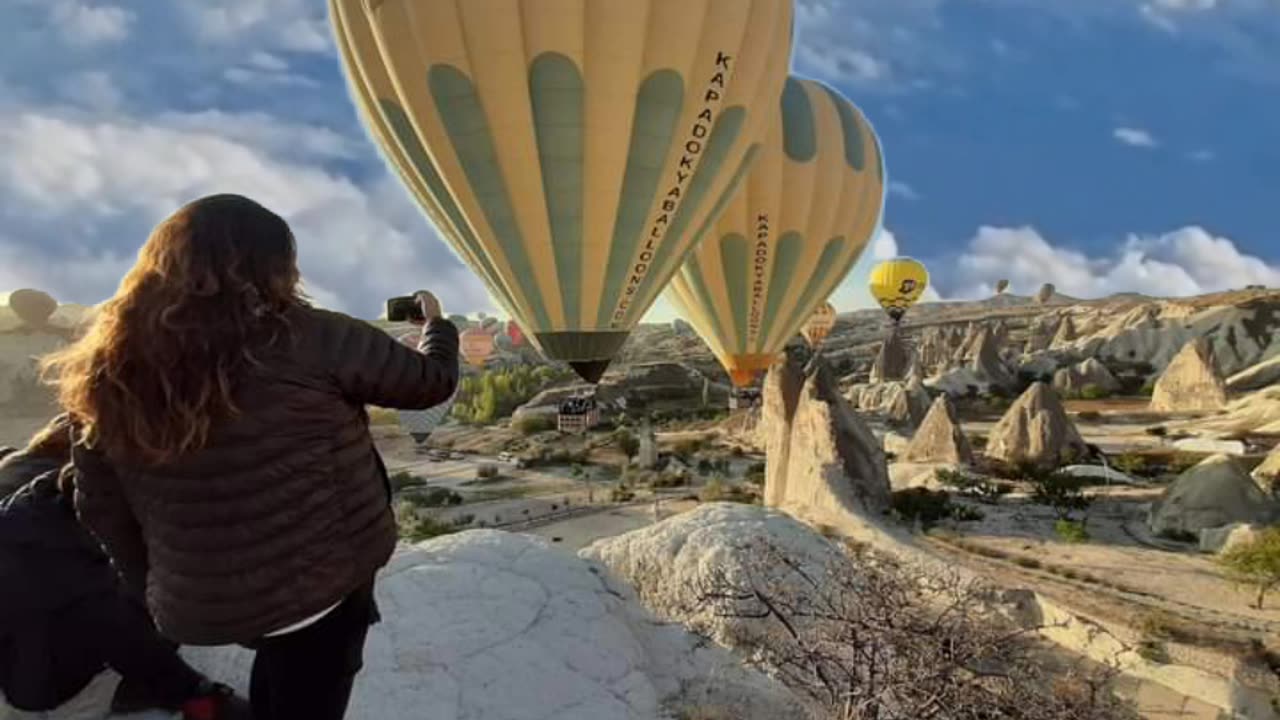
[
  {"x": 628, "y": 444},
  {"x": 1256, "y": 563}
]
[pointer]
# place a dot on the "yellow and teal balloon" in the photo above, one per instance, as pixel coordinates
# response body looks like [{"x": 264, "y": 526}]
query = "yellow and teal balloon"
[
  {"x": 897, "y": 284},
  {"x": 570, "y": 151},
  {"x": 813, "y": 201}
]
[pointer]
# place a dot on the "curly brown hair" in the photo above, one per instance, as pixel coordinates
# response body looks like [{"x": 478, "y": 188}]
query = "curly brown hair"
[{"x": 158, "y": 367}]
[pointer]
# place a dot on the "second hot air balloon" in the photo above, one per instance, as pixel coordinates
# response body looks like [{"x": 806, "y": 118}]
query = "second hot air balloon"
[
  {"x": 811, "y": 204},
  {"x": 569, "y": 151},
  {"x": 897, "y": 284},
  {"x": 819, "y": 325}
]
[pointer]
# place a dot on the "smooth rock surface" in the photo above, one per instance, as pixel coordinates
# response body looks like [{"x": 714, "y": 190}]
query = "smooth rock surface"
[
  {"x": 1191, "y": 382},
  {"x": 487, "y": 625},
  {"x": 939, "y": 438},
  {"x": 1215, "y": 493},
  {"x": 1036, "y": 429}
]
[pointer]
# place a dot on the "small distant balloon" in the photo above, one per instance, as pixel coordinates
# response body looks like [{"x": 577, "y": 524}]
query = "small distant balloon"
[
  {"x": 515, "y": 333},
  {"x": 820, "y": 324},
  {"x": 1001, "y": 286},
  {"x": 477, "y": 346},
  {"x": 1046, "y": 291},
  {"x": 897, "y": 284},
  {"x": 33, "y": 307}
]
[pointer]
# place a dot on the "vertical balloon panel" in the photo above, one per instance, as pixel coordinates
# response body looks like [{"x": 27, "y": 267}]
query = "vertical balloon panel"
[
  {"x": 811, "y": 204},
  {"x": 568, "y": 150}
]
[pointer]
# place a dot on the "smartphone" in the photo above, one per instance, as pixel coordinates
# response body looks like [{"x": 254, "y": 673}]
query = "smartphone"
[{"x": 404, "y": 309}]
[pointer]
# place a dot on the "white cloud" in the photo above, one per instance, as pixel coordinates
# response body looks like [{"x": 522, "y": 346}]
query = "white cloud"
[
  {"x": 81, "y": 197},
  {"x": 1203, "y": 155},
  {"x": 903, "y": 190},
  {"x": 1136, "y": 137},
  {"x": 85, "y": 24},
  {"x": 294, "y": 25},
  {"x": 885, "y": 246},
  {"x": 91, "y": 89},
  {"x": 1188, "y": 261}
]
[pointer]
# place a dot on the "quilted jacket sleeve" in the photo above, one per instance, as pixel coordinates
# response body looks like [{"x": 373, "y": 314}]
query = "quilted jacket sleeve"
[
  {"x": 103, "y": 508},
  {"x": 373, "y": 368}
]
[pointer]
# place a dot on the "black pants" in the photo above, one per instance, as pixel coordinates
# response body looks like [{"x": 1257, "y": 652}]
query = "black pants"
[
  {"x": 308, "y": 674},
  {"x": 58, "y": 657}
]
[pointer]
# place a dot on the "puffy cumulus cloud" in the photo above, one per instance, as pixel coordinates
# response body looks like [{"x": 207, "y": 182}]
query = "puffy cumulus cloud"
[
  {"x": 79, "y": 196},
  {"x": 873, "y": 44},
  {"x": 852, "y": 294},
  {"x": 903, "y": 190},
  {"x": 1136, "y": 137},
  {"x": 1188, "y": 261},
  {"x": 85, "y": 24},
  {"x": 294, "y": 25}
]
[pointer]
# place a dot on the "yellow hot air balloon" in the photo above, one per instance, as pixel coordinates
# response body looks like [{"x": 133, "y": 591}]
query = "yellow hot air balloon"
[
  {"x": 811, "y": 204},
  {"x": 897, "y": 284},
  {"x": 820, "y": 324},
  {"x": 476, "y": 345},
  {"x": 569, "y": 151}
]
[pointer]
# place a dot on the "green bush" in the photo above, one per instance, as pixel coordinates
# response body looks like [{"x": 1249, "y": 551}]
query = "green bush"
[
  {"x": 973, "y": 487},
  {"x": 621, "y": 493},
  {"x": 1071, "y": 531},
  {"x": 928, "y": 507},
  {"x": 495, "y": 394},
  {"x": 1181, "y": 536},
  {"x": 1094, "y": 392},
  {"x": 382, "y": 416},
  {"x": 720, "y": 490},
  {"x": 1148, "y": 389},
  {"x": 414, "y": 526},
  {"x": 487, "y": 472},
  {"x": 628, "y": 444},
  {"x": 433, "y": 497},
  {"x": 1157, "y": 431},
  {"x": 1064, "y": 493},
  {"x": 1256, "y": 563},
  {"x": 405, "y": 479},
  {"x": 534, "y": 424},
  {"x": 1131, "y": 464},
  {"x": 1089, "y": 416}
]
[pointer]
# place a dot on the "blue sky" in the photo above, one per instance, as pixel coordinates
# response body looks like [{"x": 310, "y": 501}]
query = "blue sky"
[{"x": 1104, "y": 145}]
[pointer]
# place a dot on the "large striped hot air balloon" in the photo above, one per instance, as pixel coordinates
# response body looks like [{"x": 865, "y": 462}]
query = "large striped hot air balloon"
[
  {"x": 475, "y": 346},
  {"x": 811, "y": 204},
  {"x": 897, "y": 284},
  {"x": 569, "y": 151}
]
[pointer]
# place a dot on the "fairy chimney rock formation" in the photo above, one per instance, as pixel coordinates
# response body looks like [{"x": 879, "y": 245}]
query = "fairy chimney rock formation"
[
  {"x": 892, "y": 360},
  {"x": 1036, "y": 430},
  {"x": 1191, "y": 382},
  {"x": 824, "y": 463},
  {"x": 940, "y": 439}
]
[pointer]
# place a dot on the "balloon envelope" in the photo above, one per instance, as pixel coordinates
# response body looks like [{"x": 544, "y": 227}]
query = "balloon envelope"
[
  {"x": 820, "y": 324},
  {"x": 515, "y": 333},
  {"x": 568, "y": 151},
  {"x": 897, "y": 284},
  {"x": 33, "y": 307},
  {"x": 1046, "y": 291},
  {"x": 1001, "y": 286},
  {"x": 811, "y": 204},
  {"x": 476, "y": 346}
]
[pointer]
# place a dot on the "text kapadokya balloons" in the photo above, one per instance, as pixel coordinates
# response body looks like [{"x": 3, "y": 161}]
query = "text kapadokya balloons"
[
  {"x": 897, "y": 284},
  {"x": 819, "y": 325},
  {"x": 810, "y": 205},
  {"x": 568, "y": 151}
]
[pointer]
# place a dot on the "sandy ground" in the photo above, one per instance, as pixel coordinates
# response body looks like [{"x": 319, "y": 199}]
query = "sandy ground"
[{"x": 580, "y": 532}]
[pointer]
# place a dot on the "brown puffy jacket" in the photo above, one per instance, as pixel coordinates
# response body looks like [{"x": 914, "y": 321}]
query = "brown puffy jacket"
[{"x": 286, "y": 510}]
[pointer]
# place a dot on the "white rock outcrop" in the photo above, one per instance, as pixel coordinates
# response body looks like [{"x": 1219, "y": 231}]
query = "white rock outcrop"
[
  {"x": 1268, "y": 473},
  {"x": 824, "y": 463},
  {"x": 939, "y": 439},
  {"x": 1036, "y": 429},
  {"x": 1191, "y": 382},
  {"x": 1215, "y": 493},
  {"x": 672, "y": 563},
  {"x": 1222, "y": 539},
  {"x": 486, "y": 625},
  {"x": 1091, "y": 373}
]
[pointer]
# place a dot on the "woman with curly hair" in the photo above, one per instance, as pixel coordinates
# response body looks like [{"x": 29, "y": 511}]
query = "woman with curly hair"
[{"x": 225, "y": 460}]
